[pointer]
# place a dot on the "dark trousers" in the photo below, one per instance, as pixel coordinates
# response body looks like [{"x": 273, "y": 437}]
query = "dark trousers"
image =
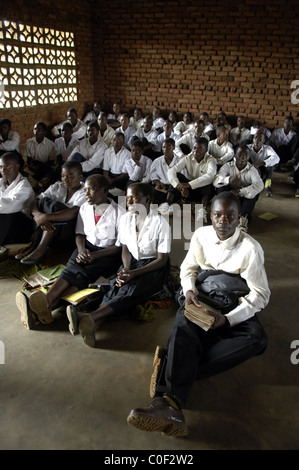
[
  {"x": 194, "y": 354},
  {"x": 15, "y": 228},
  {"x": 247, "y": 205},
  {"x": 195, "y": 195}
]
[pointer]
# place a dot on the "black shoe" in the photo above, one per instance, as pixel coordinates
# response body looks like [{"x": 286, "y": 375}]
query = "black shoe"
[{"x": 159, "y": 416}]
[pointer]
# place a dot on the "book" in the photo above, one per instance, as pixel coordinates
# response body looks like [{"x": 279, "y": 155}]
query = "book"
[
  {"x": 75, "y": 298},
  {"x": 200, "y": 316},
  {"x": 44, "y": 277}
]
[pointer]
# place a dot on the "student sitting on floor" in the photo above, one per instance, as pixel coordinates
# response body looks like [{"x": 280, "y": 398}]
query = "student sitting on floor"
[
  {"x": 113, "y": 119},
  {"x": 114, "y": 163},
  {"x": 138, "y": 166},
  {"x": 65, "y": 144},
  {"x": 54, "y": 213},
  {"x": 94, "y": 113},
  {"x": 280, "y": 138},
  {"x": 220, "y": 148},
  {"x": 158, "y": 120},
  {"x": 90, "y": 151},
  {"x": 96, "y": 254},
  {"x": 148, "y": 136},
  {"x": 106, "y": 133},
  {"x": 79, "y": 127},
  {"x": 16, "y": 196},
  {"x": 159, "y": 171},
  {"x": 264, "y": 158},
  {"x": 40, "y": 156},
  {"x": 185, "y": 125},
  {"x": 9, "y": 140},
  {"x": 240, "y": 133},
  {"x": 166, "y": 134},
  {"x": 145, "y": 238},
  {"x": 243, "y": 180},
  {"x": 195, "y": 184},
  {"x": 126, "y": 129},
  {"x": 184, "y": 145},
  {"x": 235, "y": 336},
  {"x": 136, "y": 121}
]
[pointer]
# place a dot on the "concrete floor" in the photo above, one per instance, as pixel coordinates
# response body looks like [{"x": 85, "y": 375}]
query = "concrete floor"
[{"x": 57, "y": 393}]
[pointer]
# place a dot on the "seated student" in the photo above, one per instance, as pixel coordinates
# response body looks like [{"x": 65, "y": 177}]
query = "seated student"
[
  {"x": 40, "y": 156},
  {"x": 95, "y": 255},
  {"x": 114, "y": 118},
  {"x": 65, "y": 144},
  {"x": 159, "y": 171},
  {"x": 90, "y": 151},
  {"x": 158, "y": 120},
  {"x": 126, "y": 129},
  {"x": 166, "y": 134},
  {"x": 185, "y": 125},
  {"x": 240, "y": 133},
  {"x": 235, "y": 336},
  {"x": 184, "y": 145},
  {"x": 220, "y": 148},
  {"x": 208, "y": 128},
  {"x": 94, "y": 114},
  {"x": 9, "y": 140},
  {"x": 242, "y": 179},
  {"x": 222, "y": 121},
  {"x": 294, "y": 166},
  {"x": 79, "y": 127},
  {"x": 264, "y": 158},
  {"x": 145, "y": 238},
  {"x": 148, "y": 137},
  {"x": 16, "y": 195},
  {"x": 136, "y": 121},
  {"x": 257, "y": 126},
  {"x": 196, "y": 184},
  {"x": 106, "y": 133},
  {"x": 54, "y": 213},
  {"x": 280, "y": 138},
  {"x": 138, "y": 166},
  {"x": 114, "y": 163},
  {"x": 173, "y": 117}
]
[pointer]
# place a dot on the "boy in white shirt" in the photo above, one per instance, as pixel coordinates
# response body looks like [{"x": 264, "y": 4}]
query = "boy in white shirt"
[
  {"x": 79, "y": 127},
  {"x": 236, "y": 334},
  {"x": 94, "y": 114},
  {"x": 114, "y": 163},
  {"x": 239, "y": 134},
  {"x": 243, "y": 180},
  {"x": 126, "y": 129},
  {"x": 148, "y": 137},
  {"x": 264, "y": 158},
  {"x": 158, "y": 120},
  {"x": 65, "y": 144},
  {"x": 220, "y": 148},
  {"x": 184, "y": 145},
  {"x": 136, "y": 121},
  {"x": 138, "y": 166},
  {"x": 90, "y": 151},
  {"x": 106, "y": 133},
  {"x": 16, "y": 196},
  {"x": 280, "y": 140},
  {"x": 54, "y": 213},
  {"x": 159, "y": 171},
  {"x": 185, "y": 125},
  {"x": 166, "y": 134}
]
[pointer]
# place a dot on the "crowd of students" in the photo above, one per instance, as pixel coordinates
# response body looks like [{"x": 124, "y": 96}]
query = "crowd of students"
[{"x": 64, "y": 192}]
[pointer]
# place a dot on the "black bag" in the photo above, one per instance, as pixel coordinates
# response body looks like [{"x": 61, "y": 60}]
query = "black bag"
[
  {"x": 92, "y": 301},
  {"x": 218, "y": 289}
]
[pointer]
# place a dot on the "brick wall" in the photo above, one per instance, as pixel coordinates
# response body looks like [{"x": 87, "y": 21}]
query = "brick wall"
[
  {"x": 67, "y": 16},
  {"x": 239, "y": 57}
]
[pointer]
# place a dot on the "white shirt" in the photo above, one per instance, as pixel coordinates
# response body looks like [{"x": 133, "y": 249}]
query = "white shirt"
[
  {"x": 136, "y": 124},
  {"x": 12, "y": 142},
  {"x": 180, "y": 128},
  {"x": 153, "y": 238},
  {"x": 161, "y": 137},
  {"x": 251, "y": 182},
  {"x": 159, "y": 168},
  {"x": 17, "y": 197},
  {"x": 224, "y": 151},
  {"x": 151, "y": 135},
  {"x": 265, "y": 154},
  {"x": 43, "y": 151},
  {"x": 105, "y": 232},
  {"x": 128, "y": 133},
  {"x": 93, "y": 153},
  {"x": 158, "y": 123},
  {"x": 139, "y": 173},
  {"x": 79, "y": 131},
  {"x": 62, "y": 149},
  {"x": 188, "y": 139},
  {"x": 57, "y": 192},
  {"x": 90, "y": 117},
  {"x": 199, "y": 174},
  {"x": 239, "y": 254},
  {"x": 115, "y": 163},
  {"x": 279, "y": 137},
  {"x": 236, "y": 136},
  {"x": 107, "y": 136}
]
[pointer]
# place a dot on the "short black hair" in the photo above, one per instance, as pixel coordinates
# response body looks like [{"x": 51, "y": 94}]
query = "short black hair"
[
  {"x": 203, "y": 140},
  {"x": 11, "y": 156},
  {"x": 5, "y": 121},
  {"x": 101, "y": 181},
  {"x": 144, "y": 188},
  {"x": 227, "y": 196},
  {"x": 72, "y": 165}
]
